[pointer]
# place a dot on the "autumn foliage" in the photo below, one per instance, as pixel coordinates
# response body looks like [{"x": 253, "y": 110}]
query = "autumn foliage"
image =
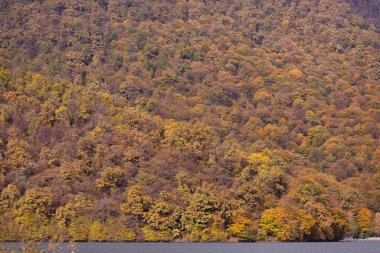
[{"x": 188, "y": 120}]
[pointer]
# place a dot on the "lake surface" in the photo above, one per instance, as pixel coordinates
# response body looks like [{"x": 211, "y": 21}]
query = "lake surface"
[{"x": 321, "y": 247}]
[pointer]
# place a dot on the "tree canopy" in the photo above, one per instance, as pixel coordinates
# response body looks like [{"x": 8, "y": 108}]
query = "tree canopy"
[{"x": 188, "y": 120}]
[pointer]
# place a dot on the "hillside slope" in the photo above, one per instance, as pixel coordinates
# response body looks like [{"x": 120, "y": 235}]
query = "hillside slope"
[
  {"x": 188, "y": 120},
  {"x": 368, "y": 9}
]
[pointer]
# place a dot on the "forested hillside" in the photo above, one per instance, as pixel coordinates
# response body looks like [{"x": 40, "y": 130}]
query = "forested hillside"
[
  {"x": 368, "y": 9},
  {"x": 188, "y": 120}
]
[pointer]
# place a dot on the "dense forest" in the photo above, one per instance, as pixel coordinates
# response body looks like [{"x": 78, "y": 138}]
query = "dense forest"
[
  {"x": 369, "y": 9},
  {"x": 189, "y": 120}
]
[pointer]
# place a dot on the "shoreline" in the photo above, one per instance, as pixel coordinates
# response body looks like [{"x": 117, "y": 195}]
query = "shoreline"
[
  {"x": 360, "y": 240},
  {"x": 184, "y": 242}
]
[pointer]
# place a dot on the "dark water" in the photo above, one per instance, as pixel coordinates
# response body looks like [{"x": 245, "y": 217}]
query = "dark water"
[{"x": 332, "y": 247}]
